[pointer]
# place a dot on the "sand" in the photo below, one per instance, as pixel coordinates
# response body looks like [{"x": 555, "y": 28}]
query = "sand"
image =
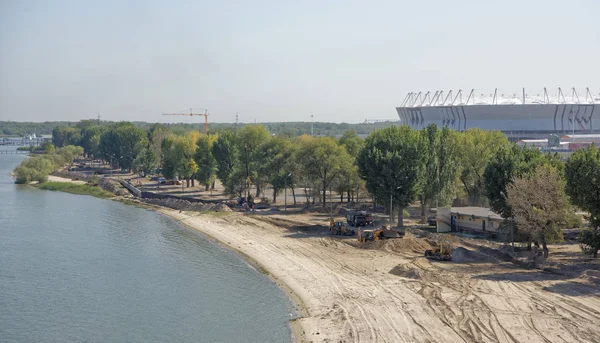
[
  {"x": 53, "y": 178},
  {"x": 387, "y": 292}
]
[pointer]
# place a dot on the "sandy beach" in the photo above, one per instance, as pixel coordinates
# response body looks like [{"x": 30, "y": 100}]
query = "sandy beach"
[
  {"x": 387, "y": 292},
  {"x": 53, "y": 178}
]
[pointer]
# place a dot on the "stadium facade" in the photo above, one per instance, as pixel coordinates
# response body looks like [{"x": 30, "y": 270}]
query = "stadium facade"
[{"x": 563, "y": 112}]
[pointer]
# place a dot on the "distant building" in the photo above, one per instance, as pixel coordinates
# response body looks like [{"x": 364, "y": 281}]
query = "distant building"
[
  {"x": 519, "y": 115},
  {"x": 468, "y": 219}
]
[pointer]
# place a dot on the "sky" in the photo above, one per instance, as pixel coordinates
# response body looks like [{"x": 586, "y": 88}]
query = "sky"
[{"x": 341, "y": 61}]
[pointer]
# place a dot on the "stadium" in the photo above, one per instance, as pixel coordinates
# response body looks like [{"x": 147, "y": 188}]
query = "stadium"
[{"x": 518, "y": 115}]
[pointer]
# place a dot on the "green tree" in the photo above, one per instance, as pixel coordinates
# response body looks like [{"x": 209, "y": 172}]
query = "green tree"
[
  {"x": 321, "y": 160},
  {"x": 156, "y": 134},
  {"x": 270, "y": 161},
  {"x": 539, "y": 204},
  {"x": 508, "y": 163},
  {"x": 207, "y": 165},
  {"x": 391, "y": 166},
  {"x": 65, "y": 135},
  {"x": 225, "y": 152},
  {"x": 145, "y": 161},
  {"x": 179, "y": 153},
  {"x": 248, "y": 139},
  {"x": 352, "y": 143},
  {"x": 476, "y": 149},
  {"x": 90, "y": 139},
  {"x": 439, "y": 153},
  {"x": 582, "y": 172},
  {"x": 122, "y": 143}
]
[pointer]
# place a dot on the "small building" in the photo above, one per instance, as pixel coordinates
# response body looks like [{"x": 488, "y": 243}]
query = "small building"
[{"x": 468, "y": 219}]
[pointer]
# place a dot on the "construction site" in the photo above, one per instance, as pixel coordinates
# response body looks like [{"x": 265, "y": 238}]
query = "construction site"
[{"x": 356, "y": 278}]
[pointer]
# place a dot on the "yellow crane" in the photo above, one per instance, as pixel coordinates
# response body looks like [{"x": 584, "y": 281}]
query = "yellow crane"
[{"x": 205, "y": 114}]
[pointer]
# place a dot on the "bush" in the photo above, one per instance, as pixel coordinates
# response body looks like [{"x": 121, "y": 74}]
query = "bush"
[
  {"x": 38, "y": 168},
  {"x": 590, "y": 241},
  {"x": 574, "y": 220}
]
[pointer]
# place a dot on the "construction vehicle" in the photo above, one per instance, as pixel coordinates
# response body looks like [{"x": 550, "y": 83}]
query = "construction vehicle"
[
  {"x": 340, "y": 229},
  {"x": 366, "y": 235},
  {"x": 359, "y": 218},
  {"x": 441, "y": 252}
]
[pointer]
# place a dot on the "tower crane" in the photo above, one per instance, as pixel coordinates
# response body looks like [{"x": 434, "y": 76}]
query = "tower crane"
[{"x": 205, "y": 114}]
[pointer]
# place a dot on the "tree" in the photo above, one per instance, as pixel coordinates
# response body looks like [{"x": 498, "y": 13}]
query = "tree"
[
  {"x": 207, "y": 165},
  {"x": 225, "y": 152},
  {"x": 270, "y": 160},
  {"x": 65, "y": 135},
  {"x": 352, "y": 143},
  {"x": 439, "y": 153},
  {"x": 582, "y": 173},
  {"x": 477, "y": 147},
  {"x": 539, "y": 204},
  {"x": 391, "y": 166},
  {"x": 122, "y": 143},
  {"x": 156, "y": 134},
  {"x": 179, "y": 153},
  {"x": 321, "y": 160},
  {"x": 90, "y": 138},
  {"x": 508, "y": 163},
  {"x": 145, "y": 160},
  {"x": 248, "y": 139}
]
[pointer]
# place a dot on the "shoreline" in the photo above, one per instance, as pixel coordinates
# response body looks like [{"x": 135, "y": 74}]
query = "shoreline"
[
  {"x": 297, "y": 334},
  {"x": 386, "y": 291}
]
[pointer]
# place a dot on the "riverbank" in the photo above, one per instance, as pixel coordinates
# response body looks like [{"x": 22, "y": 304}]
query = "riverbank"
[
  {"x": 75, "y": 188},
  {"x": 385, "y": 291}
]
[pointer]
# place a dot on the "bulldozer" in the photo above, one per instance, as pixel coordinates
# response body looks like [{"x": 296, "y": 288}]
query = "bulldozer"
[
  {"x": 366, "y": 235},
  {"x": 441, "y": 252},
  {"x": 340, "y": 229}
]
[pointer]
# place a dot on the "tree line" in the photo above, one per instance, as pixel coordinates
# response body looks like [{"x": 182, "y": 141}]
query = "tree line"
[
  {"x": 290, "y": 129},
  {"x": 394, "y": 165}
]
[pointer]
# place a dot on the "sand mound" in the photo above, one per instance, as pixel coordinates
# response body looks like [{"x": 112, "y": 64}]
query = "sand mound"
[
  {"x": 184, "y": 205},
  {"x": 592, "y": 276},
  {"x": 406, "y": 244},
  {"x": 407, "y": 272},
  {"x": 221, "y": 207}
]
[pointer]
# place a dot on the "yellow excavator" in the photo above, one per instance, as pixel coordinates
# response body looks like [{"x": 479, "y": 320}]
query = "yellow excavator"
[
  {"x": 340, "y": 229},
  {"x": 441, "y": 251}
]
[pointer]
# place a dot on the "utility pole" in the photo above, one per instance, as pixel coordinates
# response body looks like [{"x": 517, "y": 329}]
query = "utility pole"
[
  {"x": 312, "y": 125},
  {"x": 391, "y": 209}
]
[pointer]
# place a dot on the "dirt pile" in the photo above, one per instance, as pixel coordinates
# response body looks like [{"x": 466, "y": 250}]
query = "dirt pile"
[
  {"x": 591, "y": 276},
  {"x": 184, "y": 205},
  {"x": 111, "y": 186}
]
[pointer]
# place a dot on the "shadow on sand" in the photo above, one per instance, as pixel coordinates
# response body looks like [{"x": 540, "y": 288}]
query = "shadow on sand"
[
  {"x": 574, "y": 289},
  {"x": 522, "y": 276}
]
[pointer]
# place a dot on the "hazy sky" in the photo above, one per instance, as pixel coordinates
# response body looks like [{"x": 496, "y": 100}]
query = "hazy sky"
[{"x": 343, "y": 61}]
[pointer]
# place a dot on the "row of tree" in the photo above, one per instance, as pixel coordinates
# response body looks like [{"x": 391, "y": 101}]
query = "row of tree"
[{"x": 396, "y": 165}]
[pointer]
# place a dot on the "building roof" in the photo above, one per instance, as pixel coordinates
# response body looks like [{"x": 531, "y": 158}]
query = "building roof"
[{"x": 476, "y": 211}]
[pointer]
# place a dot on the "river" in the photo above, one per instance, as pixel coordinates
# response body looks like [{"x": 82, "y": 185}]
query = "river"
[{"x": 80, "y": 269}]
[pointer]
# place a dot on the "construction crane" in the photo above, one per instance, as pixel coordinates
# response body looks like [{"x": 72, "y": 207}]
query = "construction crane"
[{"x": 205, "y": 114}]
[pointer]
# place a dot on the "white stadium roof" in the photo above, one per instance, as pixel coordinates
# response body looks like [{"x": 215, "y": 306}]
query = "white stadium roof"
[{"x": 460, "y": 98}]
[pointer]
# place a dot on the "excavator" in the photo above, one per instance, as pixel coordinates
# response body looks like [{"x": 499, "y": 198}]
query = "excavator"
[
  {"x": 441, "y": 251},
  {"x": 340, "y": 229}
]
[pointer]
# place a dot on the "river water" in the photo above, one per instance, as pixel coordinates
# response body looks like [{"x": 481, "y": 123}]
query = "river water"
[{"x": 79, "y": 269}]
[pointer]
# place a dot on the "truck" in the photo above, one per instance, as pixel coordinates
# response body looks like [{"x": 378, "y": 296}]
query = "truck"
[{"x": 359, "y": 218}]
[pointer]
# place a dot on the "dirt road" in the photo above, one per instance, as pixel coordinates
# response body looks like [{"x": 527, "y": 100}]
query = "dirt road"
[{"x": 386, "y": 292}]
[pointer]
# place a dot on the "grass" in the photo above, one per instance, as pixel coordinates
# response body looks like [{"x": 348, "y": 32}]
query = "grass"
[{"x": 74, "y": 188}]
